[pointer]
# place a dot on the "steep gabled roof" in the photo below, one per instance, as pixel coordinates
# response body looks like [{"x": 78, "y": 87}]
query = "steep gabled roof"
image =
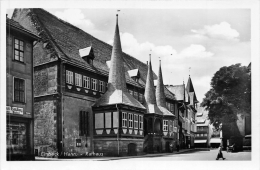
[
  {"x": 178, "y": 91},
  {"x": 10, "y": 23},
  {"x": 68, "y": 39},
  {"x": 190, "y": 90}
]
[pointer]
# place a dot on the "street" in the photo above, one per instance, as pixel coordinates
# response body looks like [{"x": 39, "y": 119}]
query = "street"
[{"x": 197, "y": 156}]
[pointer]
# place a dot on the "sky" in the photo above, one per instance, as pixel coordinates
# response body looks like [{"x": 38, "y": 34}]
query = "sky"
[{"x": 195, "y": 42}]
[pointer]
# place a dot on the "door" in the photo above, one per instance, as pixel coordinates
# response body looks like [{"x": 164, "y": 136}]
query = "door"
[{"x": 132, "y": 149}]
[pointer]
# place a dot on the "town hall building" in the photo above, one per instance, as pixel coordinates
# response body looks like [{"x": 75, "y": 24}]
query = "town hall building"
[{"x": 90, "y": 96}]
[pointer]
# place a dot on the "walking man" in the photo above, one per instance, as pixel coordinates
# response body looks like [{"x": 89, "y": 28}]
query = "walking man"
[{"x": 220, "y": 155}]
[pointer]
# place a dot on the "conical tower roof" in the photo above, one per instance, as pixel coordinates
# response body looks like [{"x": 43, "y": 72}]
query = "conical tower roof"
[
  {"x": 116, "y": 79},
  {"x": 149, "y": 94},
  {"x": 160, "y": 95},
  {"x": 117, "y": 93}
]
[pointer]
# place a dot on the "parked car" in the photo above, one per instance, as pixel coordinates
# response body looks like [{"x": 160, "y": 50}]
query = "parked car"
[{"x": 247, "y": 142}]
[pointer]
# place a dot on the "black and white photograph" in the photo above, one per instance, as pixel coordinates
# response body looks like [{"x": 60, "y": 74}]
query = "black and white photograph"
[{"x": 130, "y": 84}]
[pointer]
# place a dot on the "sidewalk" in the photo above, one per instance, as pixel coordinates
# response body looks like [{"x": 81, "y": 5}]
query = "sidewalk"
[{"x": 111, "y": 158}]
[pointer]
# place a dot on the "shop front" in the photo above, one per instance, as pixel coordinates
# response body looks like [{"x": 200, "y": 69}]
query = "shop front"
[{"x": 18, "y": 140}]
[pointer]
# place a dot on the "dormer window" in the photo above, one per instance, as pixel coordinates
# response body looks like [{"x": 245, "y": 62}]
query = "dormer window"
[
  {"x": 87, "y": 54},
  {"x": 134, "y": 74}
]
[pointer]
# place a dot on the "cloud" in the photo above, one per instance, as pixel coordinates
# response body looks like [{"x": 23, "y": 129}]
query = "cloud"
[
  {"x": 166, "y": 53},
  {"x": 219, "y": 31},
  {"x": 76, "y": 17},
  {"x": 195, "y": 50}
]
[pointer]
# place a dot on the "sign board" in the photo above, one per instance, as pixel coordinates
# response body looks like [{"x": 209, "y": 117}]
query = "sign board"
[
  {"x": 14, "y": 109},
  {"x": 20, "y": 110},
  {"x": 9, "y": 109}
]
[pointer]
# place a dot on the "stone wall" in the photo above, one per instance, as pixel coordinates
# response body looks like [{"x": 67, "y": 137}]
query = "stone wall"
[
  {"x": 45, "y": 129},
  {"x": 71, "y": 111},
  {"x": 109, "y": 147},
  {"x": 45, "y": 80}
]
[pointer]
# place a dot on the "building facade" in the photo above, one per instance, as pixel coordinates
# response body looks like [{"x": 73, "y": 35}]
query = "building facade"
[
  {"x": 187, "y": 105},
  {"x": 204, "y": 129},
  {"x": 19, "y": 91},
  {"x": 82, "y": 103}
]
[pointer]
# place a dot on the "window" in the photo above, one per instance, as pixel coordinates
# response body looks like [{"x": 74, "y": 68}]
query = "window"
[
  {"x": 86, "y": 82},
  {"x": 136, "y": 95},
  {"x": 171, "y": 125},
  {"x": 171, "y": 107},
  {"x": 130, "y": 120},
  {"x": 102, "y": 86},
  {"x": 140, "y": 97},
  {"x": 94, "y": 84},
  {"x": 136, "y": 121},
  {"x": 131, "y": 92},
  {"x": 19, "y": 90},
  {"x": 205, "y": 134},
  {"x": 165, "y": 125},
  {"x": 124, "y": 119},
  {"x": 83, "y": 122},
  {"x": 78, "y": 79},
  {"x": 140, "y": 122},
  {"x": 18, "y": 50},
  {"x": 69, "y": 77},
  {"x": 168, "y": 105}
]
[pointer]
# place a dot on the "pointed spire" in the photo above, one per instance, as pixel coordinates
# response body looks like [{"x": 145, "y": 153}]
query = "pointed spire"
[
  {"x": 117, "y": 92},
  {"x": 116, "y": 80},
  {"x": 160, "y": 95},
  {"x": 149, "y": 93},
  {"x": 189, "y": 86}
]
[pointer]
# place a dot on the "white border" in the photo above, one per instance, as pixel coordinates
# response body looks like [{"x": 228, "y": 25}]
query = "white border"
[{"x": 211, "y": 4}]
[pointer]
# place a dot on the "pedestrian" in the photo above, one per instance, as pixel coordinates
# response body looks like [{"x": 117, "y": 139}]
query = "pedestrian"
[{"x": 220, "y": 154}]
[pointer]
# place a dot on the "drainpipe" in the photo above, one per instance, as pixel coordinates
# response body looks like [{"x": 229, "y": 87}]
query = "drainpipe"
[{"x": 117, "y": 131}]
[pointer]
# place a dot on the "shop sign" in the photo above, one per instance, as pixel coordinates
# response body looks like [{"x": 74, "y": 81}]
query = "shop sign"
[
  {"x": 20, "y": 110},
  {"x": 9, "y": 109}
]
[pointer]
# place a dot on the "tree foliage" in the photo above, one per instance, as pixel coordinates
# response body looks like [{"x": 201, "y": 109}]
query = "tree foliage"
[{"x": 230, "y": 94}]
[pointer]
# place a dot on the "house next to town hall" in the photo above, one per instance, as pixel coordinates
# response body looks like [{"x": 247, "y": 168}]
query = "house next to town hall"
[{"x": 19, "y": 91}]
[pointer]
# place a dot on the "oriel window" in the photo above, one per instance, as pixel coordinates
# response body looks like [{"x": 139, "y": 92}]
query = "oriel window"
[
  {"x": 18, "y": 50},
  {"x": 19, "y": 90}
]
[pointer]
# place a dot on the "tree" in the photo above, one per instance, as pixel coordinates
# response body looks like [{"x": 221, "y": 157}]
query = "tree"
[{"x": 230, "y": 94}]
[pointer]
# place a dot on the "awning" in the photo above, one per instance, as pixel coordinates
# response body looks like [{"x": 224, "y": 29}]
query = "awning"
[
  {"x": 215, "y": 140},
  {"x": 200, "y": 141}
]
